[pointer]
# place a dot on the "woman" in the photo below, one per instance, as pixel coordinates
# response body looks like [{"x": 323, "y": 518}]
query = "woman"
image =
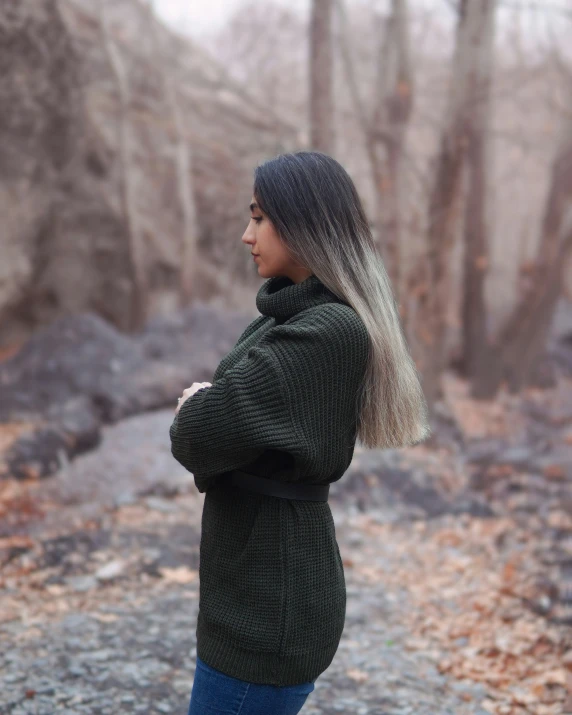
[{"x": 324, "y": 364}]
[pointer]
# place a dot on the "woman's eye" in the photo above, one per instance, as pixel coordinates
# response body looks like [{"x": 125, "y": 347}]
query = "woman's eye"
[{"x": 258, "y": 219}]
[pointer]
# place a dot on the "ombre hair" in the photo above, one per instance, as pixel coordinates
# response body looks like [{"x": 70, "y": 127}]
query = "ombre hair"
[{"x": 314, "y": 206}]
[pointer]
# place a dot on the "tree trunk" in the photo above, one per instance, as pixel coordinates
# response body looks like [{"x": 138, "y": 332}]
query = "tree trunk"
[
  {"x": 183, "y": 165},
  {"x": 475, "y": 356},
  {"x": 139, "y": 286},
  {"x": 522, "y": 341},
  {"x": 321, "y": 77},
  {"x": 434, "y": 273},
  {"x": 392, "y": 119},
  {"x": 384, "y": 131}
]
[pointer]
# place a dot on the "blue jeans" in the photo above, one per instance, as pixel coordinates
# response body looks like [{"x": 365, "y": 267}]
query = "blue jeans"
[{"x": 214, "y": 693}]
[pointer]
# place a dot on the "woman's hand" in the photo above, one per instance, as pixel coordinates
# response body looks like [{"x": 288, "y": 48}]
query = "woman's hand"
[{"x": 191, "y": 391}]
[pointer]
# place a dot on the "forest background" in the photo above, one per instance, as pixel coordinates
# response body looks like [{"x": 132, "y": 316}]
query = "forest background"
[{"x": 129, "y": 132}]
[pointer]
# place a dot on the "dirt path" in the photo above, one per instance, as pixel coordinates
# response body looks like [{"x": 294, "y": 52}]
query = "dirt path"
[{"x": 98, "y": 597}]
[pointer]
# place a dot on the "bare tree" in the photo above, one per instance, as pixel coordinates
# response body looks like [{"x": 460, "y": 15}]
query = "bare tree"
[
  {"x": 475, "y": 349},
  {"x": 391, "y": 120},
  {"x": 521, "y": 343},
  {"x": 430, "y": 281},
  {"x": 384, "y": 124},
  {"x": 183, "y": 159},
  {"x": 139, "y": 284},
  {"x": 321, "y": 69}
]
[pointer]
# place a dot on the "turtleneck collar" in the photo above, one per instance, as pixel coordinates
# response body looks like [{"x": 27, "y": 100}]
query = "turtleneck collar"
[{"x": 281, "y": 298}]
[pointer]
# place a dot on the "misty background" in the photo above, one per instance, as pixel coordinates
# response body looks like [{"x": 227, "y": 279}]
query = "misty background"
[{"x": 129, "y": 134}]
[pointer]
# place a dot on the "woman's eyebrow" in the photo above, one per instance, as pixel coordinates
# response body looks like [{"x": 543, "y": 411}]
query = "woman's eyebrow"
[{"x": 253, "y": 206}]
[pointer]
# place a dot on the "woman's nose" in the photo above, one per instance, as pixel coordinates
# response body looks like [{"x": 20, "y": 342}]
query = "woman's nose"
[{"x": 247, "y": 238}]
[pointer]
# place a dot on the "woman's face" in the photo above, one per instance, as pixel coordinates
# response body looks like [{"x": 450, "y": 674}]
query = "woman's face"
[{"x": 271, "y": 255}]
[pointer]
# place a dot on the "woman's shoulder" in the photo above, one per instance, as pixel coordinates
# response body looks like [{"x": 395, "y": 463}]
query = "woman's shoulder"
[
  {"x": 321, "y": 334},
  {"x": 334, "y": 318},
  {"x": 252, "y": 327}
]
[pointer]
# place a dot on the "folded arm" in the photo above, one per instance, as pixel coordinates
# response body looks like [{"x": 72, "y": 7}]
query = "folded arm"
[
  {"x": 229, "y": 424},
  {"x": 294, "y": 391}
]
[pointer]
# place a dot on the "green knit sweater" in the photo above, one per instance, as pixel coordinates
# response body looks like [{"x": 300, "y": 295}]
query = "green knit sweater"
[{"x": 283, "y": 405}]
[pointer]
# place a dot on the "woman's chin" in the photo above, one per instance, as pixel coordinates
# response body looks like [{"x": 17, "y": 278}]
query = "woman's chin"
[{"x": 265, "y": 271}]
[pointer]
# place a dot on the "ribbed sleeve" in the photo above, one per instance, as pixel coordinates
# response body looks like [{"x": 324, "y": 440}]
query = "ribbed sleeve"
[
  {"x": 321, "y": 357},
  {"x": 229, "y": 424},
  {"x": 294, "y": 391}
]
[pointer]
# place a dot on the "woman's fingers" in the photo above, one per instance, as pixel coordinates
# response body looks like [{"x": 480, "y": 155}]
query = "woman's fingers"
[{"x": 188, "y": 391}]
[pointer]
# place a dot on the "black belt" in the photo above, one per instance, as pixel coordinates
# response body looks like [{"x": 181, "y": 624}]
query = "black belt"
[{"x": 274, "y": 488}]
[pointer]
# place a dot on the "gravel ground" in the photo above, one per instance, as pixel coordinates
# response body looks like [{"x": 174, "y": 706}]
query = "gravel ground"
[{"x": 99, "y": 615}]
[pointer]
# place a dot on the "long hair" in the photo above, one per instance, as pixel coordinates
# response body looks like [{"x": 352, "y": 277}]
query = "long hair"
[{"x": 314, "y": 206}]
